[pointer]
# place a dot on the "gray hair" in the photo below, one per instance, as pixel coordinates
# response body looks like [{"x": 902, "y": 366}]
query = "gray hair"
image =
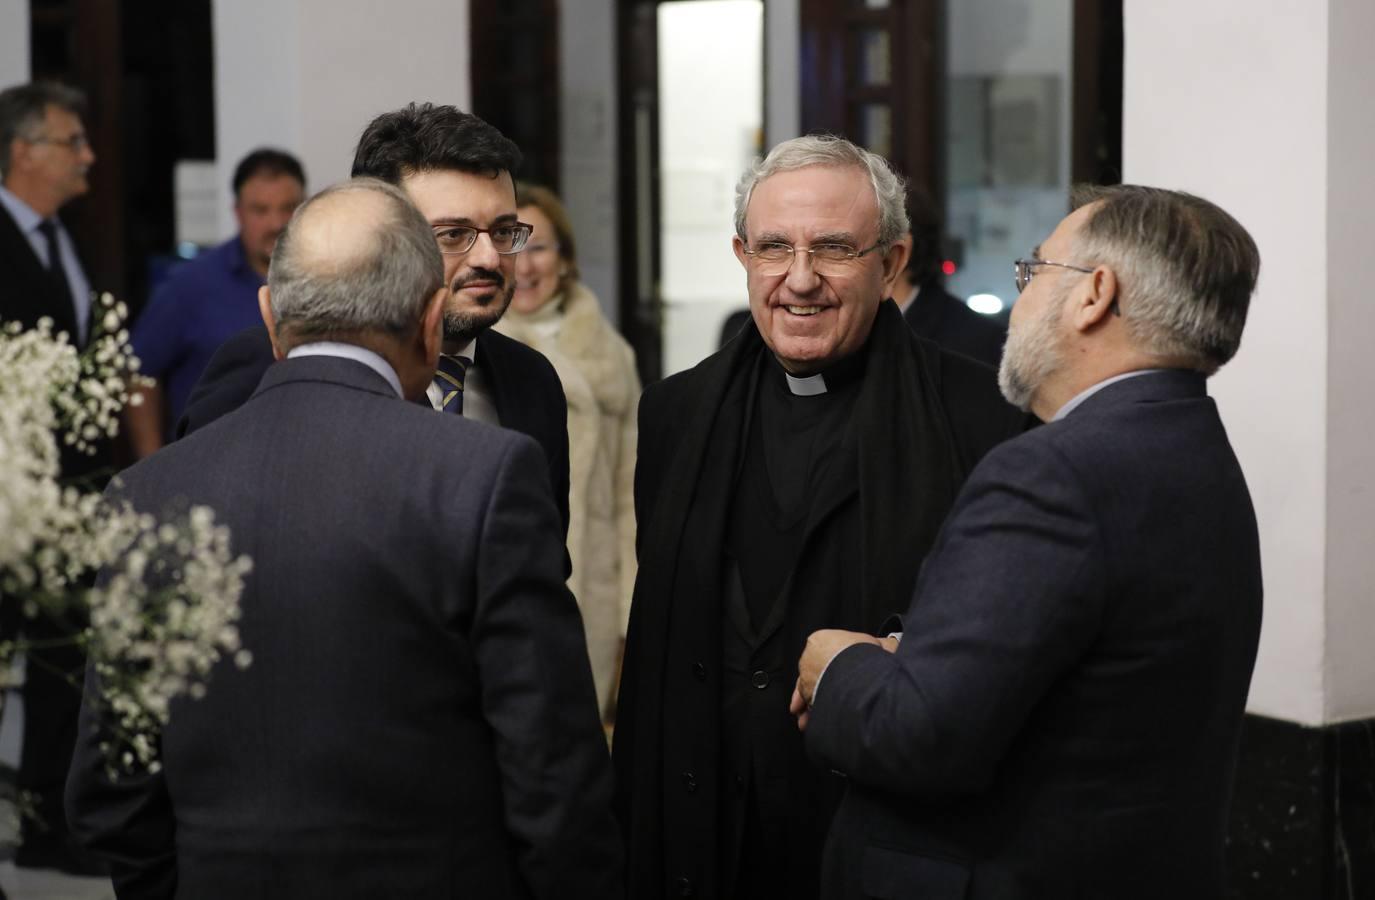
[
  {"x": 1185, "y": 269},
  {"x": 830, "y": 150},
  {"x": 24, "y": 107},
  {"x": 319, "y": 295}
]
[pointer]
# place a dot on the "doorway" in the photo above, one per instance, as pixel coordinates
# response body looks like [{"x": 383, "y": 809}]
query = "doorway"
[{"x": 692, "y": 120}]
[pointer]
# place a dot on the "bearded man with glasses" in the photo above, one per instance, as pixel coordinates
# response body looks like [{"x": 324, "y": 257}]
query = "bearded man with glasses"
[
  {"x": 456, "y": 169},
  {"x": 792, "y": 481}
]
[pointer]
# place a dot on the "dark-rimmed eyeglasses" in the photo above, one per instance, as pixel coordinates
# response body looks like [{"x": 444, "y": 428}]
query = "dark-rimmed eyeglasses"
[
  {"x": 75, "y": 143},
  {"x": 776, "y": 257},
  {"x": 1025, "y": 268},
  {"x": 506, "y": 239}
]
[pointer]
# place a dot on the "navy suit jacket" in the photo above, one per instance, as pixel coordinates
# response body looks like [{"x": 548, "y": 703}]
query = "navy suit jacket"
[
  {"x": 526, "y": 392},
  {"x": 419, "y": 718},
  {"x": 1061, "y": 717}
]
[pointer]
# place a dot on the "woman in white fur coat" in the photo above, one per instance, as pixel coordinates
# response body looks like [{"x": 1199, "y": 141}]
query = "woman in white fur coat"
[{"x": 556, "y": 314}]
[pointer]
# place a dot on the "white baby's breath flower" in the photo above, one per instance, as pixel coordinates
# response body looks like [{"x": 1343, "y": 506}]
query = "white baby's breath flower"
[{"x": 166, "y": 608}]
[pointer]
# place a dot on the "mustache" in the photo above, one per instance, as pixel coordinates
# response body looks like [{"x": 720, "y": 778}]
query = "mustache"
[{"x": 472, "y": 275}]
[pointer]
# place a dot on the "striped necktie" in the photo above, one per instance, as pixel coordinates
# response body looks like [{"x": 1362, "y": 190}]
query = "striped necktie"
[{"x": 449, "y": 379}]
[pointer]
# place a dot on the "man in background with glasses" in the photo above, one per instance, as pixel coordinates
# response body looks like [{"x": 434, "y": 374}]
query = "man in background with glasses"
[
  {"x": 44, "y": 160},
  {"x": 1061, "y": 717},
  {"x": 456, "y": 169},
  {"x": 45, "y": 157},
  {"x": 792, "y": 481}
]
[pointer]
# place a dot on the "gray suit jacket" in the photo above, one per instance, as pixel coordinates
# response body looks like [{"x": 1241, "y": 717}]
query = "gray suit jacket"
[
  {"x": 419, "y": 718},
  {"x": 1062, "y": 715}
]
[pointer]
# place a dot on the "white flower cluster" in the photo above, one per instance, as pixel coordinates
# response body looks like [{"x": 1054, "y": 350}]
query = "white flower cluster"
[
  {"x": 164, "y": 612},
  {"x": 108, "y": 370},
  {"x": 33, "y": 506},
  {"x": 166, "y": 608}
]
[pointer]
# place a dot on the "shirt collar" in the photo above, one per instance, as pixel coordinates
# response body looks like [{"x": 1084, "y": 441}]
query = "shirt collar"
[
  {"x": 24, "y": 215},
  {"x": 807, "y": 385},
  {"x": 837, "y": 375},
  {"x": 354, "y": 352},
  {"x": 911, "y": 297},
  {"x": 467, "y": 351},
  {"x": 1083, "y": 395}
]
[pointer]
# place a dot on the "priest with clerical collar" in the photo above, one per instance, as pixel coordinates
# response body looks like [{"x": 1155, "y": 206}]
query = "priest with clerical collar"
[{"x": 792, "y": 481}]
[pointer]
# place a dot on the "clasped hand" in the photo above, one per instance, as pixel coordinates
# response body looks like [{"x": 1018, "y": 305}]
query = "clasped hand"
[{"x": 821, "y": 648}]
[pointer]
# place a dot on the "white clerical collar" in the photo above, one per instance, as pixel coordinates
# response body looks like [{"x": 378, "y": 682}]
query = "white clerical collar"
[{"x": 807, "y": 385}]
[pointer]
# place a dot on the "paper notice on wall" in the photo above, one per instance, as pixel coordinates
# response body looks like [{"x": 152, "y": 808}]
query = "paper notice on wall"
[{"x": 198, "y": 194}]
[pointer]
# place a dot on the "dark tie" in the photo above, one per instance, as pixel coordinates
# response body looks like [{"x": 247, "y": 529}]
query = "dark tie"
[
  {"x": 55, "y": 268},
  {"x": 449, "y": 378}
]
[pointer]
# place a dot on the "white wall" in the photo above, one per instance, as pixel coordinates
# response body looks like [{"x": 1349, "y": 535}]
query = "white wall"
[
  {"x": 14, "y": 42},
  {"x": 1350, "y": 571},
  {"x": 587, "y": 92},
  {"x": 1235, "y": 107},
  {"x": 308, "y": 75}
]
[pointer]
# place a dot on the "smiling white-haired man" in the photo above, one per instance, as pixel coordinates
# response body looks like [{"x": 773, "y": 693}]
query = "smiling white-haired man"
[{"x": 792, "y": 481}]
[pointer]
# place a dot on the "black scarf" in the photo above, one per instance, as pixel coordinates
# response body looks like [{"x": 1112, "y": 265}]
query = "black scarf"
[{"x": 909, "y": 469}]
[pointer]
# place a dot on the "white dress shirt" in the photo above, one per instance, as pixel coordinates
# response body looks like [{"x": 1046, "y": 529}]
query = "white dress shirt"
[
  {"x": 477, "y": 399},
  {"x": 354, "y": 352}
]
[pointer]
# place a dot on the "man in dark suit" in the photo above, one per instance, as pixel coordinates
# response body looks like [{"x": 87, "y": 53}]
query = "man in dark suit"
[
  {"x": 793, "y": 480},
  {"x": 919, "y": 289},
  {"x": 457, "y": 170},
  {"x": 1060, "y": 717},
  {"x": 418, "y": 719},
  {"x": 44, "y": 160}
]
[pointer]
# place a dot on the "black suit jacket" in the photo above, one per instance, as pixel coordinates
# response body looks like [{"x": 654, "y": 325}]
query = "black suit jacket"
[
  {"x": 419, "y": 718},
  {"x": 525, "y": 390},
  {"x": 940, "y": 316},
  {"x": 1061, "y": 717},
  {"x": 27, "y": 294},
  {"x": 27, "y": 291}
]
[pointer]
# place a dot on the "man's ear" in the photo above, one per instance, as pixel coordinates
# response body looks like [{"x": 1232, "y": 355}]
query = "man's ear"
[
  {"x": 738, "y": 246},
  {"x": 265, "y": 310},
  {"x": 895, "y": 260},
  {"x": 1096, "y": 303},
  {"x": 432, "y": 326},
  {"x": 19, "y": 154}
]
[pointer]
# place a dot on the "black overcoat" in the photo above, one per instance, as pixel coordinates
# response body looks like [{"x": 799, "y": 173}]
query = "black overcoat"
[{"x": 923, "y": 417}]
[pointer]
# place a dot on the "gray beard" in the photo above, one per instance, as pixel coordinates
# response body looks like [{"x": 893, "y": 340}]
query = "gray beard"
[{"x": 1032, "y": 354}]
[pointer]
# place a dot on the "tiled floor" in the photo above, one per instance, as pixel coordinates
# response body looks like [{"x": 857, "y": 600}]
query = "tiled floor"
[{"x": 45, "y": 884}]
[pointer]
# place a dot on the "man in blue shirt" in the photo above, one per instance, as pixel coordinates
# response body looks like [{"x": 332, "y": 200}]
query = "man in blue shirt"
[{"x": 213, "y": 297}]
